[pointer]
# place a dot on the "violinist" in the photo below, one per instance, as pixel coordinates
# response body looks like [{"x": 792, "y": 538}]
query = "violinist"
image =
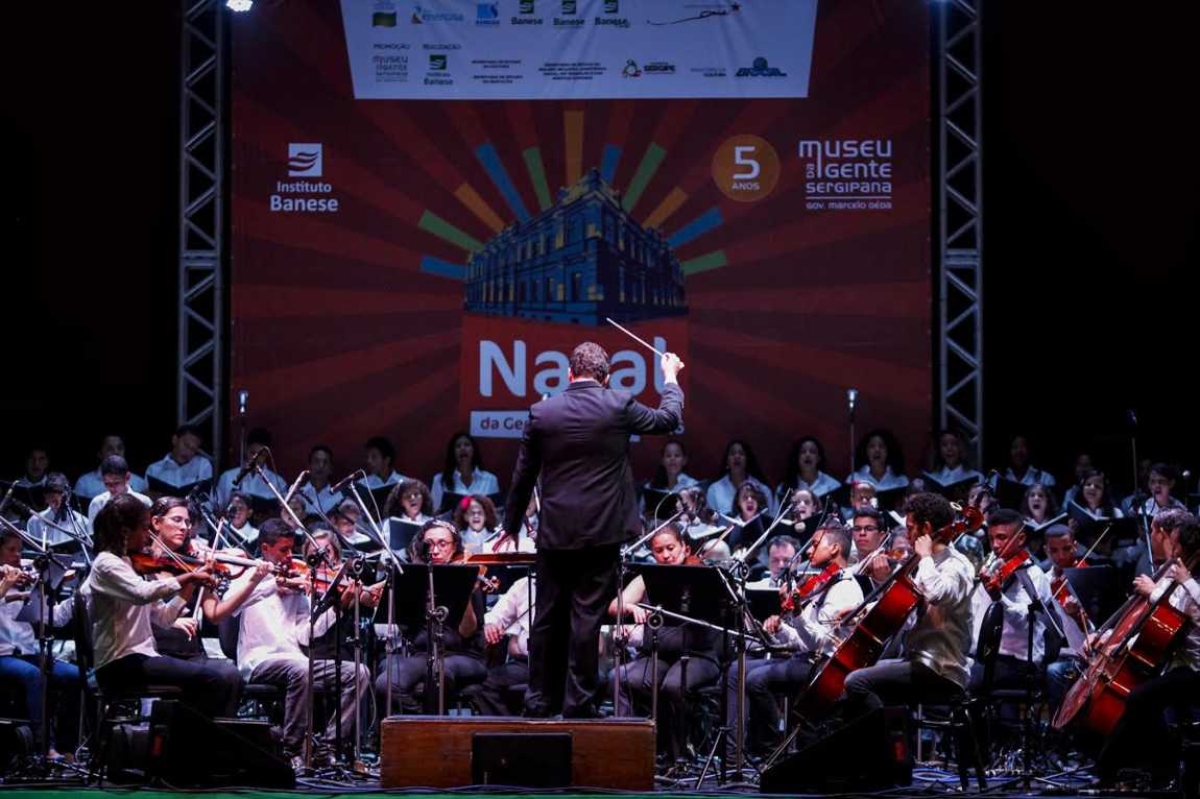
[
  {"x": 669, "y": 548},
  {"x": 123, "y": 606},
  {"x": 20, "y": 660},
  {"x": 1063, "y": 551},
  {"x": 1010, "y": 577},
  {"x": 806, "y": 631},
  {"x": 171, "y": 524},
  {"x": 463, "y": 646},
  {"x": 872, "y": 564},
  {"x": 934, "y": 665},
  {"x": 321, "y": 544},
  {"x": 1141, "y": 737},
  {"x": 274, "y": 626}
]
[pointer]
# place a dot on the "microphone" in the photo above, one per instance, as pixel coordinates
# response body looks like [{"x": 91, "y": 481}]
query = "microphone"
[
  {"x": 852, "y": 396},
  {"x": 301, "y": 480},
  {"x": 1131, "y": 417},
  {"x": 357, "y": 474},
  {"x": 243, "y": 396},
  {"x": 259, "y": 456}
]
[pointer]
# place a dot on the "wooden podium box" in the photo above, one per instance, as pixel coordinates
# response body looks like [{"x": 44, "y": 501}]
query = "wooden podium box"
[{"x": 435, "y": 751}]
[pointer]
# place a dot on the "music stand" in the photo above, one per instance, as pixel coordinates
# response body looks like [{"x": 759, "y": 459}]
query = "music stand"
[
  {"x": 413, "y": 605},
  {"x": 1097, "y": 589}
]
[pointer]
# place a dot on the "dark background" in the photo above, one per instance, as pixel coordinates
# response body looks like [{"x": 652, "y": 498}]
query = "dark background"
[{"x": 1091, "y": 176}]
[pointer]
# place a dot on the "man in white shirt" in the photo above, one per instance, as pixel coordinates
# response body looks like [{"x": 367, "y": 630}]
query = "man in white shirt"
[
  {"x": 114, "y": 472},
  {"x": 1011, "y": 665},
  {"x": 808, "y": 635},
  {"x": 380, "y": 455},
  {"x": 318, "y": 499},
  {"x": 251, "y": 484},
  {"x": 92, "y": 484},
  {"x": 503, "y": 692},
  {"x": 274, "y": 625},
  {"x": 1141, "y": 738},
  {"x": 934, "y": 666},
  {"x": 183, "y": 466},
  {"x": 37, "y": 464},
  {"x": 56, "y": 525}
]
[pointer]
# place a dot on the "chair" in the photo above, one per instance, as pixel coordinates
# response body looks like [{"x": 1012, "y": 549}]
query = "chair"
[
  {"x": 269, "y": 699},
  {"x": 961, "y": 723}
]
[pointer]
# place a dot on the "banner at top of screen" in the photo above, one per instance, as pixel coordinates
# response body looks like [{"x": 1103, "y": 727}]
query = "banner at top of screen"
[{"x": 579, "y": 49}]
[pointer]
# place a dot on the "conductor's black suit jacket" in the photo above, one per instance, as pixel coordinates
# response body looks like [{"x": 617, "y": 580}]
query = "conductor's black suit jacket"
[{"x": 578, "y": 441}]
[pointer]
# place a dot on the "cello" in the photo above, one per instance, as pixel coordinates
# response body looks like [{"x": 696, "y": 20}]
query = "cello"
[
  {"x": 898, "y": 597},
  {"x": 1141, "y": 636}
]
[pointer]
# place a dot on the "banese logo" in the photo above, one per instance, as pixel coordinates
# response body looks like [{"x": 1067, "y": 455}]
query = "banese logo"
[
  {"x": 611, "y": 7},
  {"x": 305, "y": 160},
  {"x": 438, "y": 62},
  {"x": 487, "y": 14},
  {"x": 847, "y": 174},
  {"x": 527, "y": 8}
]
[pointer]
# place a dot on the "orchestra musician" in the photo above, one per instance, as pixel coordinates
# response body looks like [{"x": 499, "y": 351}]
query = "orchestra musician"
[
  {"x": 1063, "y": 552},
  {"x": 934, "y": 665},
  {"x": 806, "y": 631},
  {"x": 700, "y": 646},
  {"x": 462, "y": 645},
  {"x": 123, "y": 607},
  {"x": 20, "y": 655},
  {"x": 1141, "y": 737},
  {"x": 273, "y": 630}
]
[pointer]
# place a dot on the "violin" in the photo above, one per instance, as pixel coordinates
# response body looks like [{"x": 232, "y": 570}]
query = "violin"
[
  {"x": 864, "y": 644},
  {"x": 810, "y": 588},
  {"x": 995, "y": 578},
  {"x": 145, "y": 564}
]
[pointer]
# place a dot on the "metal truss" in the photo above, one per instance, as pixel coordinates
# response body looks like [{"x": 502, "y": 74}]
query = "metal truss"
[
  {"x": 203, "y": 122},
  {"x": 959, "y": 51}
]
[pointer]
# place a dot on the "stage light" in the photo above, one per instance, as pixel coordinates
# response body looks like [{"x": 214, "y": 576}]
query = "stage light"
[{"x": 239, "y": 5}]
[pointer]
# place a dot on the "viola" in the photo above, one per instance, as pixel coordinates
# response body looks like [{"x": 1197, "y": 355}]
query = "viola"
[
  {"x": 864, "y": 644},
  {"x": 1141, "y": 637}
]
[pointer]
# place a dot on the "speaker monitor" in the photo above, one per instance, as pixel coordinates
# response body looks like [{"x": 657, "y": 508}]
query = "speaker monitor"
[
  {"x": 527, "y": 760},
  {"x": 188, "y": 749},
  {"x": 868, "y": 754}
]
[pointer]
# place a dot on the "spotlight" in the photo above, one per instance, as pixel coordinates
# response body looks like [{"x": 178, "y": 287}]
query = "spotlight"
[{"x": 239, "y": 5}]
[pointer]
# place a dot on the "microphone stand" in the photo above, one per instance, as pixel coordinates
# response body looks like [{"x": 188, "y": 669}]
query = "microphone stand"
[{"x": 852, "y": 397}]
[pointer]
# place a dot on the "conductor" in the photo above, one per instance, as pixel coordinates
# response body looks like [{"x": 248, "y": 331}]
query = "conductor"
[{"x": 578, "y": 443}]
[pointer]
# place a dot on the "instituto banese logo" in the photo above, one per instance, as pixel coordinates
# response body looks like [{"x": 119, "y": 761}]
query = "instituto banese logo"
[{"x": 304, "y": 160}]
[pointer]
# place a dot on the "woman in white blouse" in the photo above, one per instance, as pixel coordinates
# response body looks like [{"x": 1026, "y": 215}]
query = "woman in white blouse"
[{"x": 462, "y": 473}]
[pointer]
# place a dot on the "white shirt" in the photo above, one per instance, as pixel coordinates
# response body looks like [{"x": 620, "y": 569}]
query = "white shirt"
[
  {"x": 174, "y": 474},
  {"x": 482, "y": 482},
  {"x": 947, "y": 476},
  {"x": 1032, "y": 476},
  {"x": 485, "y": 541},
  {"x": 321, "y": 501},
  {"x": 103, "y": 499},
  {"x": 1187, "y": 599},
  {"x": 511, "y": 613},
  {"x": 246, "y": 534},
  {"x": 92, "y": 484},
  {"x": 722, "y": 493},
  {"x": 252, "y": 485},
  {"x": 122, "y": 606},
  {"x": 274, "y": 625},
  {"x": 812, "y": 630},
  {"x": 17, "y": 637},
  {"x": 46, "y": 535},
  {"x": 889, "y": 481},
  {"x": 1014, "y": 637},
  {"x": 940, "y": 637},
  {"x": 824, "y": 484},
  {"x": 374, "y": 481}
]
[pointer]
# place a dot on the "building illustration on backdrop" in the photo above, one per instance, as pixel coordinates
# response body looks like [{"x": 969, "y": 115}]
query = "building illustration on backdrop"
[{"x": 580, "y": 260}]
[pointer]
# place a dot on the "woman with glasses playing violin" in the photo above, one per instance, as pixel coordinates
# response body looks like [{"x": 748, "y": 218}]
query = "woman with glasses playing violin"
[
  {"x": 171, "y": 525},
  {"x": 20, "y": 660},
  {"x": 123, "y": 606},
  {"x": 463, "y": 645}
]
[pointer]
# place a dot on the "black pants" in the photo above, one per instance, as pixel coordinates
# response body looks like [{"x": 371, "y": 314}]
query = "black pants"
[
  {"x": 766, "y": 682},
  {"x": 574, "y": 589},
  {"x": 896, "y": 682},
  {"x": 409, "y": 673},
  {"x": 210, "y": 686},
  {"x": 1141, "y": 738},
  {"x": 503, "y": 692}
]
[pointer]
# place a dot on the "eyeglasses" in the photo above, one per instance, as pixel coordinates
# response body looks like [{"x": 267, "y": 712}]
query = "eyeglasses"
[
  {"x": 413, "y": 495},
  {"x": 182, "y": 521},
  {"x": 869, "y": 528},
  {"x": 438, "y": 544}
]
